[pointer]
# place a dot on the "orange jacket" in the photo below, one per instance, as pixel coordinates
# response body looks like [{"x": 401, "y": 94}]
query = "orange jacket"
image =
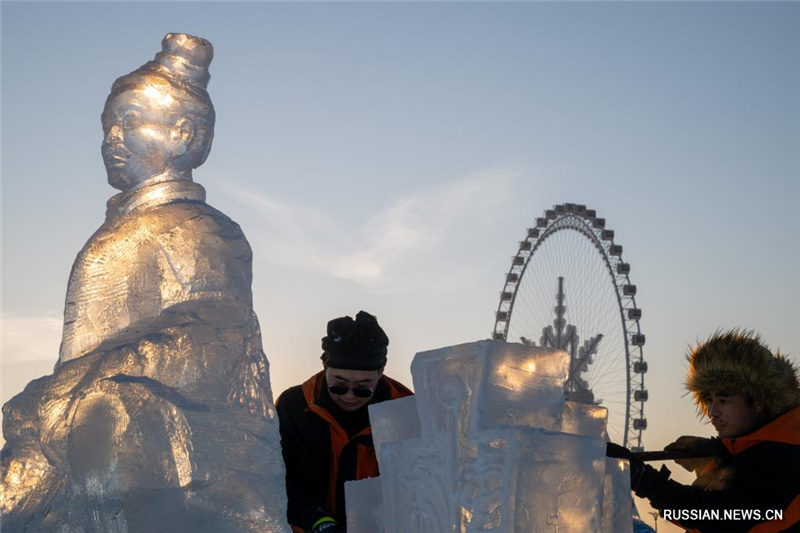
[
  {"x": 766, "y": 478},
  {"x": 320, "y": 453}
]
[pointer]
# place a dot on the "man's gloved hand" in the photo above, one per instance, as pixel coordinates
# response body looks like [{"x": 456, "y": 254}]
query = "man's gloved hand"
[
  {"x": 705, "y": 449},
  {"x": 643, "y": 476},
  {"x": 328, "y": 525}
]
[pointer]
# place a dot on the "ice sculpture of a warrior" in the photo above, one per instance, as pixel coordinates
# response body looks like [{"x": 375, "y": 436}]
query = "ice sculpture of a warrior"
[
  {"x": 161, "y": 246},
  {"x": 159, "y": 413}
]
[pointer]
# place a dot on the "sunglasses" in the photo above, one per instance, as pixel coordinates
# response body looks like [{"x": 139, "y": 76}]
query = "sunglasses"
[{"x": 340, "y": 390}]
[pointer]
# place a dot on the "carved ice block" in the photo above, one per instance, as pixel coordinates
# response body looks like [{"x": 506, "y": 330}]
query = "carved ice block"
[
  {"x": 497, "y": 449},
  {"x": 480, "y": 385},
  {"x": 364, "y": 506},
  {"x": 560, "y": 481},
  {"x": 418, "y": 483},
  {"x": 585, "y": 419},
  {"x": 392, "y": 421},
  {"x": 508, "y": 479},
  {"x": 617, "y": 503}
]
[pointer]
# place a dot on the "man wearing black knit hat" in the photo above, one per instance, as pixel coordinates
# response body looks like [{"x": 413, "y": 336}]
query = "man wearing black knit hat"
[{"x": 326, "y": 436}]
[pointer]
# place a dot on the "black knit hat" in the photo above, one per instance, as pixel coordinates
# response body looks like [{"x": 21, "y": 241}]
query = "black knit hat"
[{"x": 358, "y": 344}]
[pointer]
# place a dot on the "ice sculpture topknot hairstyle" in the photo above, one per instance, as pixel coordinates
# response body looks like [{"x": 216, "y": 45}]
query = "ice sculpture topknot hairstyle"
[{"x": 181, "y": 68}]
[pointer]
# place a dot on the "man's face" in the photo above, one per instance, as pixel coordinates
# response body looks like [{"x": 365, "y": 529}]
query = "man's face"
[
  {"x": 142, "y": 134},
  {"x": 352, "y": 379},
  {"x": 732, "y": 414}
]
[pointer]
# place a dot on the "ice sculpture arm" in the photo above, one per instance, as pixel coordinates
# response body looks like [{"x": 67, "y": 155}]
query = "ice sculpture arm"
[
  {"x": 767, "y": 477},
  {"x": 303, "y": 511}
]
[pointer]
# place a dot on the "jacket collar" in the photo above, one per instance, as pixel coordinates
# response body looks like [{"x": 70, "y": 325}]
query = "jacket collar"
[{"x": 785, "y": 429}]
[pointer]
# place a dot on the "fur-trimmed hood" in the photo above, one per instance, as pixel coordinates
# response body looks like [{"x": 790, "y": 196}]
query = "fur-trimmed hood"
[{"x": 738, "y": 362}]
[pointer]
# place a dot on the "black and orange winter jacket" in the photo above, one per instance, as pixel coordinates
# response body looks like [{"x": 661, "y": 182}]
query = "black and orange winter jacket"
[
  {"x": 765, "y": 476},
  {"x": 324, "y": 446}
]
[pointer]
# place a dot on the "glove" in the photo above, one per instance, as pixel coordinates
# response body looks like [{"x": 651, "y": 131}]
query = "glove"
[
  {"x": 705, "y": 449},
  {"x": 616, "y": 451},
  {"x": 643, "y": 476},
  {"x": 328, "y": 526}
]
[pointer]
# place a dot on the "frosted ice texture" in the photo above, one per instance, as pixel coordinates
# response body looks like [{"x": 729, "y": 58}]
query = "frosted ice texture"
[
  {"x": 364, "y": 506},
  {"x": 499, "y": 448},
  {"x": 470, "y": 387},
  {"x": 617, "y": 516},
  {"x": 159, "y": 414},
  {"x": 584, "y": 419},
  {"x": 393, "y": 421}
]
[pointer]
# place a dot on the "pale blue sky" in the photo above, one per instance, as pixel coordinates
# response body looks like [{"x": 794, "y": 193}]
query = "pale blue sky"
[{"x": 389, "y": 156}]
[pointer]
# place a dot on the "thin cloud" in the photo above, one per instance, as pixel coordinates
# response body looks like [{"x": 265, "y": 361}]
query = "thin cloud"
[
  {"x": 30, "y": 338},
  {"x": 293, "y": 235},
  {"x": 409, "y": 244}
]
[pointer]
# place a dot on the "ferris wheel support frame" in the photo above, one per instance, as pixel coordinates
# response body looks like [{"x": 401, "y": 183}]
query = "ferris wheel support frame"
[{"x": 577, "y": 217}]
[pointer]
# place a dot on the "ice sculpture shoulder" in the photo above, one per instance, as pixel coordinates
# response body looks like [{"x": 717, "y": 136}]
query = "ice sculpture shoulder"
[{"x": 161, "y": 244}]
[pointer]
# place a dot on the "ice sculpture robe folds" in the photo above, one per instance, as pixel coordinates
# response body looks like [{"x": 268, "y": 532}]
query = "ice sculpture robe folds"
[{"x": 159, "y": 414}]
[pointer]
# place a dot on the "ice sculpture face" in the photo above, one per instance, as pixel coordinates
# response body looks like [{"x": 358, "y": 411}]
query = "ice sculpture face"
[
  {"x": 158, "y": 121},
  {"x": 148, "y": 132}
]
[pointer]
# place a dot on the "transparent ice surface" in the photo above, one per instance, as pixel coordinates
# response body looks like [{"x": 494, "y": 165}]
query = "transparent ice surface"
[
  {"x": 584, "y": 419},
  {"x": 393, "y": 421},
  {"x": 364, "y": 506},
  {"x": 417, "y": 482},
  {"x": 469, "y": 387},
  {"x": 508, "y": 479},
  {"x": 158, "y": 415},
  {"x": 617, "y": 502},
  {"x": 498, "y": 449},
  {"x": 561, "y": 480}
]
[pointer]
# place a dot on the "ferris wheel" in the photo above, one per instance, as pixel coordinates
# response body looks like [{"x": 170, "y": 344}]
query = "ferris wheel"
[{"x": 569, "y": 288}]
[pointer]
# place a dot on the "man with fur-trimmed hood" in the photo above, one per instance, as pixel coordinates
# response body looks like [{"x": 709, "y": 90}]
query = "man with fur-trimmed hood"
[{"x": 752, "y": 398}]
